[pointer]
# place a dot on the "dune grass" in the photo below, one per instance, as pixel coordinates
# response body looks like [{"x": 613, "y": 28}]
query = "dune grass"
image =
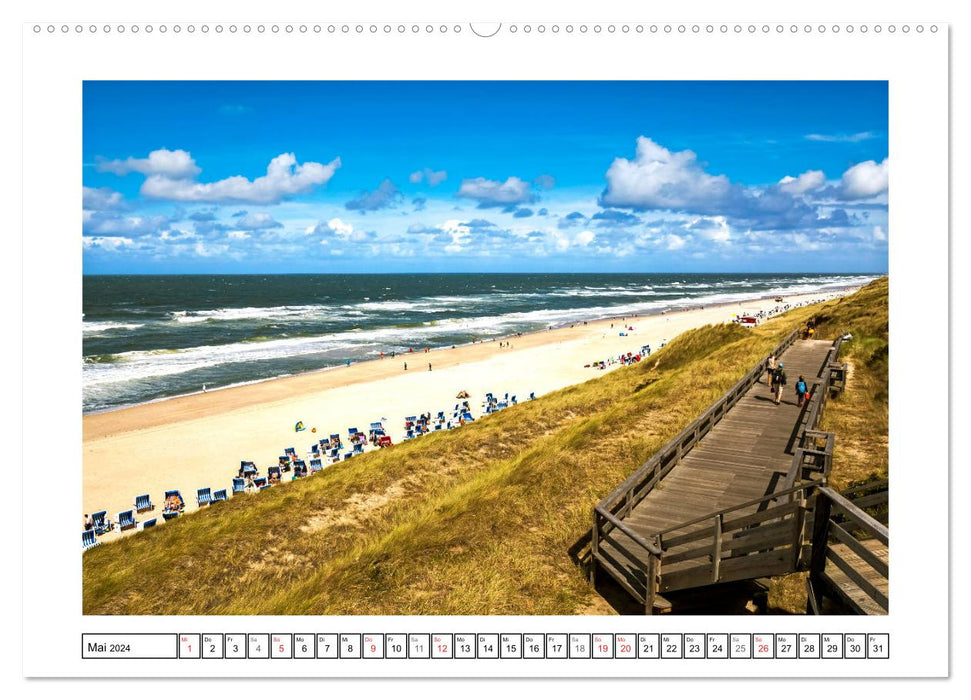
[{"x": 478, "y": 520}]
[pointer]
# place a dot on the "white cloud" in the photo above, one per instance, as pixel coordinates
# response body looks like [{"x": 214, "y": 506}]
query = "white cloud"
[
  {"x": 661, "y": 179},
  {"x": 808, "y": 181},
  {"x": 432, "y": 177},
  {"x": 257, "y": 221},
  {"x": 495, "y": 193},
  {"x": 101, "y": 198},
  {"x": 176, "y": 164},
  {"x": 108, "y": 243},
  {"x": 842, "y": 138},
  {"x": 865, "y": 179},
  {"x": 170, "y": 175},
  {"x": 545, "y": 182},
  {"x": 879, "y": 233},
  {"x": 584, "y": 238},
  {"x": 674, "y": 241},
  {"x": 339, "y": 229},
  {"x": 238, "y": 235}
]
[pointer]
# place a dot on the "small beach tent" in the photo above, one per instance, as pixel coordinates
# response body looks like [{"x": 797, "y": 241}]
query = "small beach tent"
[
  {"x": 126, "y": 520},
  {"x": 148, "y": 523},
  {"x": 239, "y": 485},
  {"x": 220, "y": 495},
  {"x": 143, "y": 503},
  {"x": 169, "y": 515},
  {"x": 204, "y": 497},
  {"x": 298, "y": 427},
  {"x": 101, "y": 522},
  {"x": 87, "y": 539},
  {"x": 462, "y": 394}
]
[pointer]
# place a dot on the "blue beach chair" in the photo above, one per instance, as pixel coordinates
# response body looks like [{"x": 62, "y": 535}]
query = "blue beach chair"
[
  {"x": 170, "y": 515},
  {"x": 220, "y": 495},
  {"x": 348, "y": 455},
  {"x": 143, "y": 503},
  {"x": 204, "y": 497},
  {"x": 290, "y": 451},
  {"x": 246, "y": 469},
  {"x": 273, "y": 474},
  {"x": 315, "y": 466},
  {"x": 126, "y": 520},
  {"x": 358, "y": 449},
  {"x": 101, "y": 522},
  {"x": 261, "y": 483},
  {"x": 88, "y": 540},
  {"x": 148, "y": 523},
  {"x": 174, "y": 503},
  {"x": 239, "y": 486}
]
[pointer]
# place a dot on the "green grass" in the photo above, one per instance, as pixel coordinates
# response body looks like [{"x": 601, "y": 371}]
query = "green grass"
[{"x": 479, "y": 520}]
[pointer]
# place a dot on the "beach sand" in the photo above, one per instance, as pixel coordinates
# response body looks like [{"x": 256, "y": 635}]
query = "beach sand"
[{"x": 197, "y": 441}]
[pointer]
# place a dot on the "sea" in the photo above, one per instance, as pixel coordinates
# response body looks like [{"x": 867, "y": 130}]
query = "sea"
[{"x": 151, "y": 337}]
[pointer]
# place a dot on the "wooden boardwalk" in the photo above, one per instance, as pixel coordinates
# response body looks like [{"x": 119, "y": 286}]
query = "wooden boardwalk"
[
  {"x": 744, "y": 457},
  {"x": 735, "y": 494}
]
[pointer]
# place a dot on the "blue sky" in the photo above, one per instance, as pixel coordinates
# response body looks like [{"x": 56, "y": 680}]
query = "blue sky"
[{"x": 224, "y": 177}]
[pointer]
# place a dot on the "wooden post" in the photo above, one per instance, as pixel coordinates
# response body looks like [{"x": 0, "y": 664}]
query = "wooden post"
[
  {"x": 798, "y": 526},
  {"x": 716, "y": 555},
  {"x": 650, "y": 588},
  {"x": 594, "y": 544},
  {"x": 820, "y": 543}
]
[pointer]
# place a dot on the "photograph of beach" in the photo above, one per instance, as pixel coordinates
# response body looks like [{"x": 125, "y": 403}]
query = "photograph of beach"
[{"x": 383, "y": 348}]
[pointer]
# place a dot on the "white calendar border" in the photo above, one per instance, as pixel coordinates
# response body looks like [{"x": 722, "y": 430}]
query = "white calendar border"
[{"x": 54, "y": 64}]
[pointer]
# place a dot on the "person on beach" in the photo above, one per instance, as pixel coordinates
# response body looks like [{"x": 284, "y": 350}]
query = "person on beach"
[
  {"x": 769, "y": 368},
  {"x": 429, "y": 366},
  {"x": 800, "y": 391},
  {"x": 406, "y": 367},
  {"x": 778, "y": 381}
]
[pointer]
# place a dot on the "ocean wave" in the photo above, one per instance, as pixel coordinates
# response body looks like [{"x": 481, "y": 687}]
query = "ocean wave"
[{"x": 94, "y": 327}]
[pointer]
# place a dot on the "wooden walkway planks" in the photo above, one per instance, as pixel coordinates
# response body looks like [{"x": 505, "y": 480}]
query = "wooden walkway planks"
[
  {"x": 744, "y": 457},
  {"x": 852, "y": 593}
]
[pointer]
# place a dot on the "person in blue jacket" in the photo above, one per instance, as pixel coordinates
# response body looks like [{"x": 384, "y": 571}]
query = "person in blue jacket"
[{"x": 801, "y": 390}]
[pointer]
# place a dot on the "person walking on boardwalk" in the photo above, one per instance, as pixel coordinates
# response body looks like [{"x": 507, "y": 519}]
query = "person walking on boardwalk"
[
  {"x": 769, "y": 368},
  {"x": 801, "y": 389},
  {"x": 778, "y": 381}
]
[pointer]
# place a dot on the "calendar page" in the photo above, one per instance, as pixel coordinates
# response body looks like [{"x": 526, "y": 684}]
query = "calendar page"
[{"x": 425, "y": 342}]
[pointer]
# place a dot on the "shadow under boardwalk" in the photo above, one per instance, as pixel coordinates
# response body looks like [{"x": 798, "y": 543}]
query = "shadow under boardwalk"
[{"x": 741, "y": 459}]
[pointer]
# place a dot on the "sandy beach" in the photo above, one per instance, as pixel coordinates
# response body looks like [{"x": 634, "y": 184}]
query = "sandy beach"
[{"x": 198, "y": 441}]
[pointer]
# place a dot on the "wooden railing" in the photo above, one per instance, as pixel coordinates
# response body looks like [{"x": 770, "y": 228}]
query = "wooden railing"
[
  {"x": 813, "y": 449},
  {"x": 852, "y": 540},
  {"x": 640, "y": 563},
  {"x": 632, "y": 490},
  {"x": 761, "y": 537}
]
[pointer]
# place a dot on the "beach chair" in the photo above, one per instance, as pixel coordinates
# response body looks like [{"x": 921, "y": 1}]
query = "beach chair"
[
  {"x": 468, "y": 417},
  {"x": 352, "y": 432},
  {"x": 335, "y": 440},
  {"x": 220, "y": 495},
  {"x": 358, "y": 449},
  {"x": 126, "y": 520},
  {"x": 273, "y": 474},
  {"x": 384, "y": 441},
  {"x": 148, "y": 523},
  {"x": 348, "y": 455},
  {"x": 261, "y": 483},
  {"x": 290, "y": 451},
  {"x": 532, "y": 395},
  {"x": 410, "y": 434},
  {"x": 174, "y": 501},
  {"x": 246, "y": 469},
  {"x": 377, "y": 426},
  {"x": 143, "y": 503},
  {"x": 513, "y": 400},
  {"x": 315, "y": 466},
  {"x": 88, "y": 540},
  {"x": 315, "y": 449},
  {"x": 204, "y": 497},
  {"x": 438, "y": 426},
  {"x": 170, "y": 515},
  {"x": 239, "y": 486},
  {"x": 101, "y": 522}
]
